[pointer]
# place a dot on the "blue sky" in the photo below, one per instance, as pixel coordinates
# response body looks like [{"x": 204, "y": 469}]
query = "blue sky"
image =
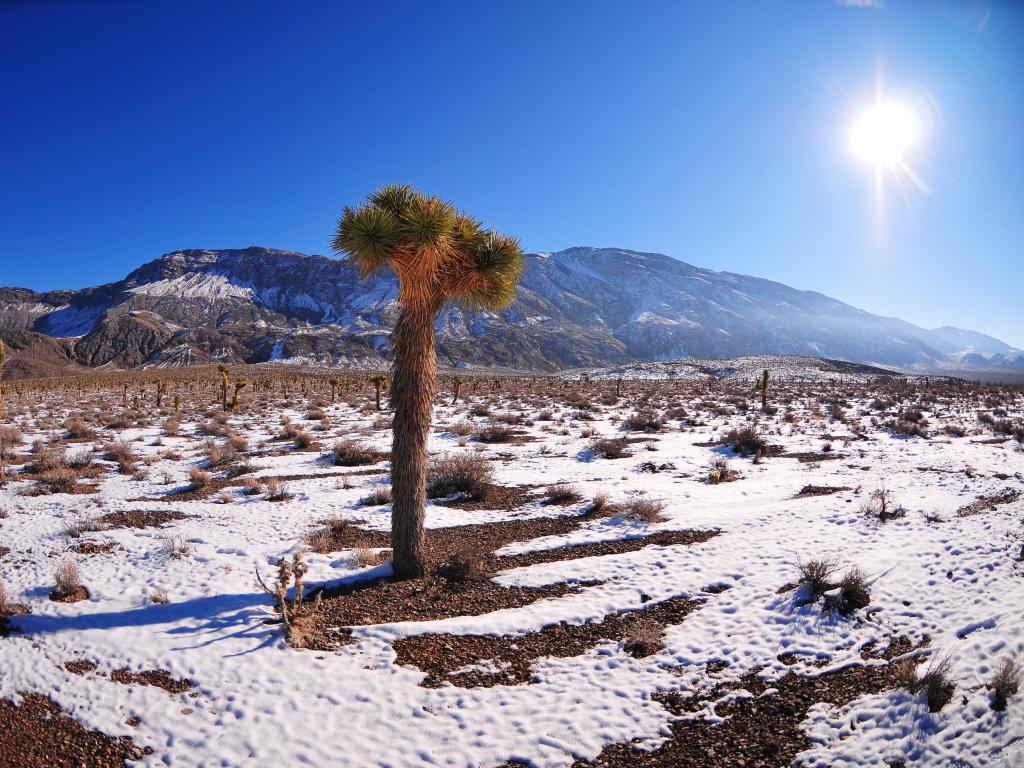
[{"x": 713, "y": 132}]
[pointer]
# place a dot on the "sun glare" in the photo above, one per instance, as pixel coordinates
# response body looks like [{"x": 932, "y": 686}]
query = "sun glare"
[{"x": 883, "y": 133}]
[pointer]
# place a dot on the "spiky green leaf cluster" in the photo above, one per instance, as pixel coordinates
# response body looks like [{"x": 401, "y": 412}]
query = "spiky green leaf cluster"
[{"x": 448, "y": 254}]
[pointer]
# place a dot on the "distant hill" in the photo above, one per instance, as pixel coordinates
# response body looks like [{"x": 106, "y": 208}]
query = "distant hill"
[{"x": 581, "y": 307}]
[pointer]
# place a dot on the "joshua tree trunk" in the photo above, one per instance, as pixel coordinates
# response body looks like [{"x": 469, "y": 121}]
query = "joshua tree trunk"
[{"x": 413, "y": 382}]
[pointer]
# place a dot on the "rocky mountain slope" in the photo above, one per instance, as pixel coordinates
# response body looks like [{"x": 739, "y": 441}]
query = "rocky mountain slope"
[{"x": 582, "y": 307}]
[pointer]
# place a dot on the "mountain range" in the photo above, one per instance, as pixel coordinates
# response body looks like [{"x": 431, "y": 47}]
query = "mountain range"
[{"x": 581, "y": 307}]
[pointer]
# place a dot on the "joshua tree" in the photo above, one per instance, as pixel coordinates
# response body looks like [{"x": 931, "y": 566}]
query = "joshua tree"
[
  {"x": 439, "y": 255},
  {"x": 239, "y": 383},
  {"x": 161, "y": 387},
  {"x": 764, "y": 390},
  {"x": 3, "y": 363},
  {"x": 334, "y": 387},
  {"x": 456, "y": 385},
  {"x": 379, "y": 381},
  {"x": 224, "y": 373}
]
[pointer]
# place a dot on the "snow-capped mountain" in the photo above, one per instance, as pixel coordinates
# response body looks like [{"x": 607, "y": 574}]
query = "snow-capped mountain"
[{"x": 581, "y": 307}]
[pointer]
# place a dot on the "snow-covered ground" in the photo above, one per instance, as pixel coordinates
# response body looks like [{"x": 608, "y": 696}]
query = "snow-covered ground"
[{"x": 956, "y": 580}]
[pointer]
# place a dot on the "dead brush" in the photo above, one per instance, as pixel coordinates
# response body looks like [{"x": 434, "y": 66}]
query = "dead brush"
[
  {"x": 644, "y": 511},
  {"x": 465, "y": 473},
  {"x": 66, "y": 580},
  {"x": 58, "y": 480},
  {"x": 610, "y": 448},
  {"x": 850, "y": 594},
  {"x": 461, "y": 568},
  {"x": 303, "y": 440},
  {"x": 746, "y": 441},
  {"x": 598, "y": 503},
  {"x": 276, "y": 490},
  {"x": 496, "y": 433},
  {"x": 561, "y": 493},
  {"x": 643, "y": 638},
  {"x": 462, "y": 428},
  {"x": 720, "y": 472},
  {"x": 219, "y": 454},
  {"x": 815, "y": 575},
  {"x": 378, "y": 497},
  {"x": 198, "y": 478},
  {"x": 882, "y": 506},
  {"x": 352, "y": 453},
  {"x": 935, "y": 682},
  {"x": 78, "y": 429},
  {"x": 1004, "y": 683},
  {"x": 175, "y": 547},
  {"x": 644, "y": 421},
  {"x": 295, "y": 613},
  {"x": 251, "y": 486}
]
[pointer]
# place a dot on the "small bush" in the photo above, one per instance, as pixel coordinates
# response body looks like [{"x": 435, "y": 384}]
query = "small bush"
[
  {"x": 303, "y": 440},
  {"x": 58, "y": 480},
  {"x": 852, "y": 594},
  {"x": 378, "y": 497},
  {"x": 599, "y": 502},
  {"x": 66, "y": 579},
  {"x": 1004, "y": 684},
  {"x": 644, "y": 421},
  {"x": 496, "y": 433},
  {"x": 276, "y": 490},
  {"x": 174, "y": 546},
  {"x": 746, "y": 441},
  {"x": 816, "y": 575},
  {"x": 882, "y": 506},
  {"x": 938, "y": 688},
  {"x": 610, "y": 448},
  {"x": 78, "y": 429},
  {"x": 646, "y": 511},
  {"x": 561, "y": 493},
  {"x": 468, "y": 474},
  {"x": 461, "y": 567},
  {"x": 198, "y": 478},
  {"x": 352, "y": 453}
]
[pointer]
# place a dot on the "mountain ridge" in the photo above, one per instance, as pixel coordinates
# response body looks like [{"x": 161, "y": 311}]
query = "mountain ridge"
[{"x": 581, "y": 307}]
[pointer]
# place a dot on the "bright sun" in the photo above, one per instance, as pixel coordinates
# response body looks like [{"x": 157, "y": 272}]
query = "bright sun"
[{"x": 884, "y": 132}]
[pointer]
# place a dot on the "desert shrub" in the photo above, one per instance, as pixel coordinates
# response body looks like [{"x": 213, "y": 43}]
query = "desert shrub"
[
  {"x": 480, "y": 410},
  {"x": 1004, "y": 684},
  {"x": 121, "y": 452},
  {"x": 468, "y": 474},
  {"x": 646, "y": 511},
  {"x": 935, "y": 682},
  {"x": 598, "y": 502},
  {"x": 78, "y": 429},
  {"x": 644, "y": 421},
  {"x": 461, "y": 567},
  {"x": 545, "y": 415},
  {"x": 303, "y": 440},
  {"x": 198, "y": 478},
  {"x": 58, "y": 480},
  {"x": 219, "y": 454},
  {"x": 83, "y": 524},
  {"x": 80, "y": 460},
  {"x": 66, "y": 579},
  {"x": 496, "y": 433},
  {"x": 10, "y": 434},
  {"x": 746, "y": 441},
  {"x": 172, "y": 426},
  {"x": 174, "y": 546},
  {"x": 908, "y": 428},
  {"x": 851, "y": 593},
  {"x": 561, "y": 493},
  {"x": 379, "y": 496},
  {"x": 352, "y": 453},
  {"x": 610, "y": 448},
  {"x": 238, "y": 443},
  {"x": 251, "y": 486},
  {"x": 276, "y": 490},
  {"x": 46, "y": 457},
  {"x": 882, "y": 506},
  {"x": 720, "y": 472},
  {"x": 461, "y": 428},
  {"x": 643, "y": 638},
  {"x": 815, "y": 575}
]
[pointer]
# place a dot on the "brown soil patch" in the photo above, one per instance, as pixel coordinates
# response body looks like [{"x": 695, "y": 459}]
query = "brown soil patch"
[
  {"x": 601, "y": 548},
  {"x": 4, "y": 551},
  {"x": 13, "y": 609},
  {"x": 820, "y": 490},
  {"x": 160, "y": 678},
  {"x": 75, "y": 596},
  {"x": 989, "y": 503},
  {"x": 497, "y": 497},
  {"x": 93, "y": 548},
  {"x": 384, "y": 601},
  {"x": 80, "y": 667},
  {"x": 138, "y": 518},
  {"x": 37, "y": 734},
  {"x": 812, "y": 457},
  {"x": 510, "y": 659},
  {"x": 188, "y": 493},
  {"x": 763, "y": 731}
]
